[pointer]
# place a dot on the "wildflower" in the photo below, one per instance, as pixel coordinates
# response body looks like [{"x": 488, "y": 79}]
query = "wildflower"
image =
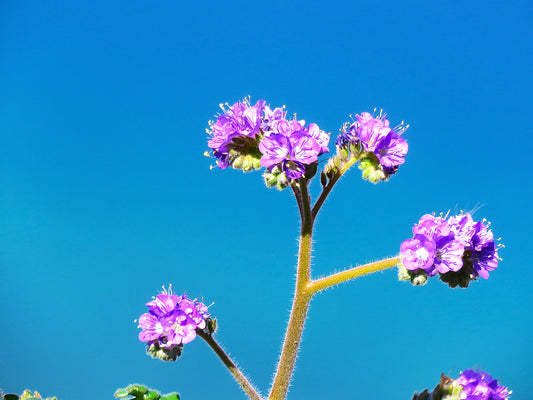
[
  {"x": 471, "y": 385},
  {"x": 464, "y": 250},
  {"x": 419, "y": 253},
  {"x": 293, "y": 148},
  {"x": 249, "y": 137},
  {"x": 379, "y": 148},
  {"x": 478, "y": 385},
  {"x": 234, "y": 135},
  {"x": 171, "y": 322}
]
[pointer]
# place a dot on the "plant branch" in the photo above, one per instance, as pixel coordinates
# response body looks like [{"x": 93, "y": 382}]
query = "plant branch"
[
  {"x": 233, "y": 369},
  {"x": 298, "y": 195},
  {"x": 327, "y": 189},
  {"x": 300, "y": 305},
  {"x": 343, "y": 276}
]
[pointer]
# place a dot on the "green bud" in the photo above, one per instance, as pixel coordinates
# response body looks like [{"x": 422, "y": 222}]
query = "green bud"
[
  {"x": 417, "y": 278},
  {"x": 450, "y": 390},
  {"x": 371, "y": 167},
  {"x": 211, "y": 325},
  {"x": 237, "y": 162},
  {"x": 355, "y": 149},
  {"x": 247, "y": 163},
  {"x": 344, "y": 153},
  {"x": 337, "y": 162},
  {"x": 323, "y": 178},
  {"x": 403, "y": 273},
  {"x": 277, "y": 178},
  {"x": 10, "y": 396},
  {"x": 165, "y": 354},
  {"x": 28, "y": 394},
  {"x": 310, "y": 170}
]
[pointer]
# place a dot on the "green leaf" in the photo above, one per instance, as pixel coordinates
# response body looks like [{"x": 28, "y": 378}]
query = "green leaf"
[
  {"x": 171, "y": 396},
  {"x": 152, "y": 395},
  {"x": 137, "y": 390},
  {"x": 121, "y": 393}
]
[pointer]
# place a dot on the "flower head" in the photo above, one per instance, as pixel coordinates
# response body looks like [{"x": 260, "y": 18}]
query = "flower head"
[
  {"x": 291, "y": 146},
  {"x": 380, "y": 148},
  {"x": 478, "y": 385},
  {"x": 464, "y": 250},
  {"x": 249, "y": 137},
  {"x": 170, "y": 323},
  {"x": 471, "y": 385},
  {"x": 233, "y": 135}
]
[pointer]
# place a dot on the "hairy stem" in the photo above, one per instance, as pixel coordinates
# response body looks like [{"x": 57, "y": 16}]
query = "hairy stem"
[
  {"x": 331, "y": 183},
  {"x": 334, "y": 279},
  {"x": 300, "y": 305},
  {"x": 233, "y": 369}
]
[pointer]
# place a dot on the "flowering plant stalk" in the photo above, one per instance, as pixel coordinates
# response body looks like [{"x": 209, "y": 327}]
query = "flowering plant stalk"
[{"x": 250, "y": 137}]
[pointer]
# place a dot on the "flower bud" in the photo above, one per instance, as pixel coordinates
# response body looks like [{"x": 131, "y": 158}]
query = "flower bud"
[
  {"x": 211, "y": 325},
  {"x": 372, "y": 170},
  {"x": 164, "y": 354},
  {"x": 417, "y": 278},
  {"x": 276, "y": 177}
]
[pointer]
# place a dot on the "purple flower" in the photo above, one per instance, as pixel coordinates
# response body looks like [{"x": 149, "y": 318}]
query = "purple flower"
[
  {"x": 373, "y": 140},
  {"x": 485, "y": 260},
  {"x": 171, "y": 322},
  {"x": 235, "y": 130},
  {"x": 463, "y": 227},
  {"x": 249, "y": 137},
  {"x": 391, "y": 150},
  {"x": 464, "y": 249},
  {"x": 449, "y": 255},
  {"x": 271, "y": 118},
  {"x": 292, "y": 146},
  {"x": 369, "y": 130},
  {"x": 432, "y": 227},
  {"x": 478, "y": 385},
  {"x": 418, "y": 253}
]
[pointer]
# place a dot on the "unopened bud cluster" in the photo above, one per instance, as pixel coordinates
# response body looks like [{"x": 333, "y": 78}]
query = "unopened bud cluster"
[{"x": 459, "y": 249}]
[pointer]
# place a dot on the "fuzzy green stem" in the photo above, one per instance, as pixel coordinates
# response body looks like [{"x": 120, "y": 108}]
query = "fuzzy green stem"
[
  {"x": 352, "y": 273},
  {"x": 300, "y": 305},
  {"x": 233, "y": 369}
]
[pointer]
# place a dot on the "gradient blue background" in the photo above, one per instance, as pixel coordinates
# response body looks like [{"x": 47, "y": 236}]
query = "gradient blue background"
[{"x": 105, "y": 194}]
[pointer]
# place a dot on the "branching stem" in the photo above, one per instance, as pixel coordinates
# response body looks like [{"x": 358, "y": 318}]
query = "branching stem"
[
  {"x": 300, "y": 305},
  {"x": 233, "y": 369},
  {"x": 352, "y": 273},
  {"x": 327, "y": 189}
]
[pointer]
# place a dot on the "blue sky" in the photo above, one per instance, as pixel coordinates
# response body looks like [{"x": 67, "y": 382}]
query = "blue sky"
[{"x": 105, "y": 194}]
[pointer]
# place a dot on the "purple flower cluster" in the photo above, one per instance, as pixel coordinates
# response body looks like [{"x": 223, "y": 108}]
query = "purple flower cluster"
[
  {"x": 235, "y": 130},
  {"x": 377, "y": 139},
  {"x": 170, "y": 323},
  {"x": 264, "y": 137},
  {"x": 457, "y": 248},
  {"x": 292, "y": 146},
  {"x": 478, "y": 385}
]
